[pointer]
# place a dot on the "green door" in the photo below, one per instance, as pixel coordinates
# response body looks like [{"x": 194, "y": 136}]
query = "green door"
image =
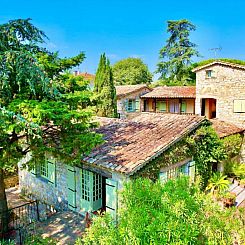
[
  {"x": 91, "y": 191},
  {"x": 71, "y": 188},
  {"x": 111, "y": 197}
]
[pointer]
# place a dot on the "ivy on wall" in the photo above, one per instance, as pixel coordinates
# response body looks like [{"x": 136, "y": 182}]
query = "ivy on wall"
[{"x": 203, "y": 145}]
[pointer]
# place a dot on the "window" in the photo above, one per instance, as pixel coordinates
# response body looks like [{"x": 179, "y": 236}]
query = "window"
[
  {"x": 210, "y": 74},
  {"x": 44, "y": 170},
  {"x": 131, "y": 105},
  {"x": 174, "y": 172},
  {"x": 162, "y": 106},
  {"x": 239, "y": 106},
  {"x": 85, "y": 185},
  {"x": 183, "y": 107},
  {"x": 97, "y": 187}
]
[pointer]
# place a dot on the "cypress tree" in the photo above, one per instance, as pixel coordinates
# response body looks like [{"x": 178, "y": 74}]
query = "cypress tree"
[{"x": 105, "y": 90}]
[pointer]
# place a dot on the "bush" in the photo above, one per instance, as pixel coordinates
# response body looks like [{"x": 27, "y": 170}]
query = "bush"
[{"x": 171, "y": 213}]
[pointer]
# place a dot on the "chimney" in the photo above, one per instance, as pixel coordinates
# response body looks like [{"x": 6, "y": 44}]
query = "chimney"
[{"x": 75, "y": 73}]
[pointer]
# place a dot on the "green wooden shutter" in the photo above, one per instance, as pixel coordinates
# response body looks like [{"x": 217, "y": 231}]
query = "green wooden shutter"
[
  {"x": 183, "y": 107},
  {"x": 163, "y": 106},
  {"x": 163, "y": 177},
  {"x": 51, "y": 171},
  {"x": 137, "y": 105},
  {"x": 192, "y": 171},
  {"x": 237, "y": 106},
  {"x": 111, "y": 197},
  {"x": 71, "y": 187}
]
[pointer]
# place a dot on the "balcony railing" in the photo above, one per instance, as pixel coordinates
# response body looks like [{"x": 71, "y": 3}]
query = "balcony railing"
[{"x": 179, "y": 113}]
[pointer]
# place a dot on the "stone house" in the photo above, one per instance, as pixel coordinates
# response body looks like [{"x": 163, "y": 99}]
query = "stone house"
[
  {"x": 176, "y": 99},
  {"x": 220, "y": 91},
  {"x": 126, "y": 153},
  {"x": 128, "y": 99}
]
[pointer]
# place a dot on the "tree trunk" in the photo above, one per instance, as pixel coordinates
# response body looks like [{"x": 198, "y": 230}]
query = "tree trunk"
[{"x": 3, "y": 205}]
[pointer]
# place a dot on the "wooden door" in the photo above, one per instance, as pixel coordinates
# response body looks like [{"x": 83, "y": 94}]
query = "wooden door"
[{"x": 71, "y": 188}]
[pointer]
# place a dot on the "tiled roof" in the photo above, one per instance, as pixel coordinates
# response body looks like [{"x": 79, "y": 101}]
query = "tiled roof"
[
  {"x": 130, "y": 144},
  {"x": 172, "y": 92},
  {"x": 224, "y": 129},
  {"x": 87, "y": 76},
  {"x": 128, "y": 89},
  {"x": 219, "y": 62}
]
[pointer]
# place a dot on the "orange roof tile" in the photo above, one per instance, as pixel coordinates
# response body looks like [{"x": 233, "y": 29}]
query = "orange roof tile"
[
  {"x": 224, "y": 129},
  {"x": 172, "y": 92},
  {"x": 123, "y": 90},
  {"x": 86, "y": 76},
  {"x": 130, "y": 144}
]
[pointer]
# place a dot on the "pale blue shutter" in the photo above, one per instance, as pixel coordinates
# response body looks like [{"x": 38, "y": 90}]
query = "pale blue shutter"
[
  {"x": 111, "y": 197},
  {"x": 71, "y": 187},
  {"x": 192, "y": 171},
  {"x": 51, "y": 171},
  {"x": 163, "y": 177},
  {"x": 137, "y": 105}
]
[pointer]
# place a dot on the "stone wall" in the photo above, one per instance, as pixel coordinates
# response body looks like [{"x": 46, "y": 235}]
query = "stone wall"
[
  {"x": 226, "y": 85},
  {"x": 121, "y": 103},
  {"x": 40, "y": 189},
  {"x": 55, "y": 194}
]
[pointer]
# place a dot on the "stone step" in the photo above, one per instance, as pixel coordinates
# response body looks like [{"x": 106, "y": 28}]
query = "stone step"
[
  {"x": 233, "y": 186},
  {"x": 240, "y": 198},
  {"x": 237, "y": 190}
]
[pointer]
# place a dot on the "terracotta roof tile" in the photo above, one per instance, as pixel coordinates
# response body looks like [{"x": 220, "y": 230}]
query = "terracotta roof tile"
[
  {"x": 224, "y": 129},
  {"x": 87, "y": 76},
  {"x": 130, "y": 144},
  {"x": 128, "y": 89},
  {"x": 172, "y": 92}
]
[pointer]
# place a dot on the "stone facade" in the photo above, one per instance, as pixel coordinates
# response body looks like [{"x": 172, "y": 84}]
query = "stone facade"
[
  {"x": 226, "y": 85},
  {"x": 122, "y": 101},
  {"x": 56, "y": 195}
]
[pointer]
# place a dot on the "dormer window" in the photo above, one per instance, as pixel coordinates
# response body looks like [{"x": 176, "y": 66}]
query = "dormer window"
[{"x": 209, "y": 73}]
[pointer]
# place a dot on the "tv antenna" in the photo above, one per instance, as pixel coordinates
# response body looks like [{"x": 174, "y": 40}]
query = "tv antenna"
[{"x": 215, "y": 50}]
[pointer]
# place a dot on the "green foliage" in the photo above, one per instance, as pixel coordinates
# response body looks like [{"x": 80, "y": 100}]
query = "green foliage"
[
  {"x": 232, "y": 145},
  {"x": 218, "y": 182},
  {"x": 105, "y": 90},
  {"x": 207, "y": 149},
  {"x": 206, "y": 62},
  {"x": 42, "y": 108},
  {"x": 173, "y": 213},
  {"x": 175, "y": 57},
  {"x": 238, "y": 170},
  {"x": 131, "y": 71},
  {"x": 38, "y": 240},
  {"x": 176, "y": 153}
]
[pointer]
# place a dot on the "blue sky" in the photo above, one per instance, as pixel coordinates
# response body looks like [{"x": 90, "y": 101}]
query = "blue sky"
[{"x": 131, "y": 28}]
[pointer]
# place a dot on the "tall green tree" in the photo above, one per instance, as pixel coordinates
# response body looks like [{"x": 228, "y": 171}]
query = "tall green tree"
[
  {"x": 131, "y": 71},
  {"x": 105, "y": 90},
  {"x": 36, "y": 113},
  {"x": 176, "y": 56}
]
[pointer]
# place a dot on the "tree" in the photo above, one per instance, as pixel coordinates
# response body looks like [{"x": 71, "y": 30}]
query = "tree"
[
  {"x": 171, "y": 213},
  {"x": 175, "y": 57},
  {"x": 105, "y": 90},
  {"x": 36, "y": 114},
  {"x": 131, "y": 71}
]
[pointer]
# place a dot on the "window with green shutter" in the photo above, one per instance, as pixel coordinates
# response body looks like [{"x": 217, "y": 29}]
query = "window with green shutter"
[
  {"x": 131, "y": 106},
  {"x": 161, "y": 106},
  {"x": 183, "y": 107}
]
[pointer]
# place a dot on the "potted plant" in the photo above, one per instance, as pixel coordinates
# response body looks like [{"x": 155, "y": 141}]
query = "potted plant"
[
  {"x": 242, "y": 183},
  {"x": 229, "y": 199}
]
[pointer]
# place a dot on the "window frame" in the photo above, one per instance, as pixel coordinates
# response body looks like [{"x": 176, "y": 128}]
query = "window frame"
[
  {"x": 242, "y": 105},
  {"x": 210, "y": 74},
  {"x": 131, "y": 108}
]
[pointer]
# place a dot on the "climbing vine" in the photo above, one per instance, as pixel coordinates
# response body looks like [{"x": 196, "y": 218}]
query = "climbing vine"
[{"x": 203, "y": 145}]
